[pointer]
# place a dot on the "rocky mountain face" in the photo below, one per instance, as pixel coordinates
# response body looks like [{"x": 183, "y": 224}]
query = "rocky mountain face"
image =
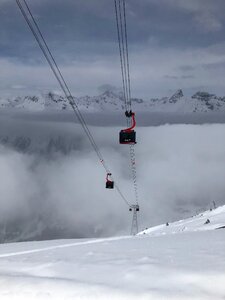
[
  {"x": 199, "y": 102},
  {"x": 112, "y": 102},
  {"x": 176, "y": 97}
]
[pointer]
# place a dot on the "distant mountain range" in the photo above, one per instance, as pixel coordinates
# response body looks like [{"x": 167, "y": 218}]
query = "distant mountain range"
[{"x": 112, "y": 102}]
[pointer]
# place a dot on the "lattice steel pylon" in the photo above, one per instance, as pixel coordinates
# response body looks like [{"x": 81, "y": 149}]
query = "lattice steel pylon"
[{"x": 134, "y": 226}]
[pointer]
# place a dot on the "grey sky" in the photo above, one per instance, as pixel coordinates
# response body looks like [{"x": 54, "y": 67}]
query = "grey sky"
[{"x": 173, "y": 44}]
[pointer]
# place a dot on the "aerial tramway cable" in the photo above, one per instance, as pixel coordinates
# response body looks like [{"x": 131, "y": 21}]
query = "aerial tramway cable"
[
  {"x": 127, "y": 56},
  {"x": 59, "y": 77},
  {"x": 121, "y": 56},
  {"x": 127, "y": 138}
]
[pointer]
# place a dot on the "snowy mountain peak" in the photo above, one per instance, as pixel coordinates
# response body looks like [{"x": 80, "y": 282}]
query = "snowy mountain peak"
[
  {"x": 179, "y": 94},
  {"x": 203, "y": 96},
  {"x": 111, "y": 94},
  {"x": 210, "y": 101},
  {"x": 113, "y": 101}
]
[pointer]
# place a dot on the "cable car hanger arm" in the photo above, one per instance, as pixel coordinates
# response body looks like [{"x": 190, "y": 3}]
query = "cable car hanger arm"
[{"x": 133, "y": 124}]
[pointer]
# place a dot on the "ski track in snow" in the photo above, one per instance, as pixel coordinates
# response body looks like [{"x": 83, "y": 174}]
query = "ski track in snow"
[{"x": 61, "y": 246}]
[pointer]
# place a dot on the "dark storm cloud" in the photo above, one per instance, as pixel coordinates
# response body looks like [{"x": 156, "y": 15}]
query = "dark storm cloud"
[
  {"x": 81, "y": 27},
  {"x": 83, "y": 38},
  {"x": 214, "y": 66},
  {"x": 187, "y": 76},
  {"x": 71, "y": 27},
  {"x": 171, "y": 77},
  {"x": 186, "y": 68}
]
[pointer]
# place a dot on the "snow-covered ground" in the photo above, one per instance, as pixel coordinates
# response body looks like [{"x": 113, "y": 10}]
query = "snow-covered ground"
[
  {"x": 209, "y": 220},
  {"x": 187, "y": 265}
]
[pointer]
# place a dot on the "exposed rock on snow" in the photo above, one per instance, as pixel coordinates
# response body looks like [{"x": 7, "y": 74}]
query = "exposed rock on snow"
[{"x": 179, "y": 94}]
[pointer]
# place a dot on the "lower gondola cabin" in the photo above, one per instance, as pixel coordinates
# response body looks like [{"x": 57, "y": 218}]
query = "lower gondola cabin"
[{"x": 109, "y": 184}]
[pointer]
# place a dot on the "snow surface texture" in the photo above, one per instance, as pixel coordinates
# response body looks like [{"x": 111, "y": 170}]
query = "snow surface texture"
[
  {"x": 188, "y": 265},
  {"x": 111, "y": 101}
]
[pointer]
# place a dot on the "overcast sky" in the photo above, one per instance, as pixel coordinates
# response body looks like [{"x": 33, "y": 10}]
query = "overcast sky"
[{"x": 173, "y": 44}]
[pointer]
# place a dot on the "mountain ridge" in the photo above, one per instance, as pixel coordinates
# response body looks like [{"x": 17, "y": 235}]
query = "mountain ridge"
[{"x": 111, "y": 101}]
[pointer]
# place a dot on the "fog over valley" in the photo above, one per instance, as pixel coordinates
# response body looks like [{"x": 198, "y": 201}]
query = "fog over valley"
[{"x": 53, "y": 185}]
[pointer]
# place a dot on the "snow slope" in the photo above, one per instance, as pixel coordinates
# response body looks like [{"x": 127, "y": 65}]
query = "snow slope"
[
  {"x": 195, "y": 223},
  {"x": 188, "y": 265}
]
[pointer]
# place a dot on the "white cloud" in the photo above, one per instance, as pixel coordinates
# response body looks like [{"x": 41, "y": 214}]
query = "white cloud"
[
  {"x": 17, "y": 186},
  {"x": 180, "y": 169}
]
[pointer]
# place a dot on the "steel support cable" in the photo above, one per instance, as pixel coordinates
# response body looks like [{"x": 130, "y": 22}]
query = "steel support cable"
[
  {"x": 127, "y": 54},
  {"x": 70, "y": 98},
  {"x": 120, "y": 51},
  {"x": 66, "y": 91},
  {"x": 132, "y": 149},
  {"x": 64, "y": 86},
  {"x": 123, "y": 46},
  {"x": 122, "y": 31},
  {"x": 121, "y": 38},
  {"x": 126, "y": 70}
]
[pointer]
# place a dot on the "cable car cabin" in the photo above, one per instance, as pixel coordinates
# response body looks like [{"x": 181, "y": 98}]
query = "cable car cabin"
[
  {"x": 109, "y": 183},
  {"x": 128, "y": 136}
]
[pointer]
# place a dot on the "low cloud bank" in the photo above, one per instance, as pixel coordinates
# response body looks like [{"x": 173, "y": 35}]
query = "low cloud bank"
[{"x": 49, "y": 193}]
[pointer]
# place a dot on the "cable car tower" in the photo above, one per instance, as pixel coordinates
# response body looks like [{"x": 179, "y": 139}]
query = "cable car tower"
[{"x": 134, "y": 226}]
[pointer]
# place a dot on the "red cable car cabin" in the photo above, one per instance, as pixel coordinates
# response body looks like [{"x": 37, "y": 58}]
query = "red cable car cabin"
[
  {"x": 128, "y": 136},
  {"x": 109, "y": 183}
]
